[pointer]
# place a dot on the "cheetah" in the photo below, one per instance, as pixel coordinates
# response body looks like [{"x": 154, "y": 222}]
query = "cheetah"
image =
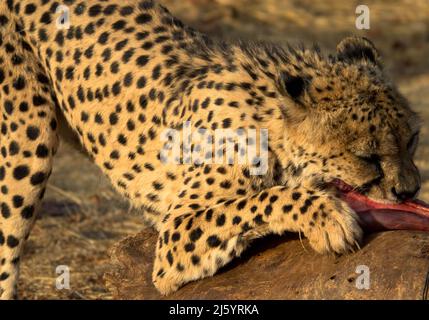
[{"x": 127, "y": 71}]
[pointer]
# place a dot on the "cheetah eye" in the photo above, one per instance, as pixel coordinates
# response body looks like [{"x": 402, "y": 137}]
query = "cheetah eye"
[
  {"x": 375, "y": 160},
  {"x": 372, "y": 158},
  {"x": 412, "y": 143}
]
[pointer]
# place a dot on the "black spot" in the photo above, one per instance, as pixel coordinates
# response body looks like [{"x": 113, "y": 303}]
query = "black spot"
[
  {"x": 122, "y": 139},
  {"x": 38, "y": 100},
  {"x": 142, "y": 60},
  {"x": 226, "y": 123},
  {"x": 225, "y": 184},
  {"x": 114, "y": 67},
  {"x": 166, "y": 49},
  {"x": 258, "y": 219},
  {"x": 19, "y": 83},
  {"x": 27, "y": 212},
  {"x": 143, "y": 18},
  {"x": 220, "y": 221},
  {"x": 113, "y": 119},
  {"x": 219, "y": 101},
  {"x": 166, "y": 237},
  {"x": 157, "y": 185},
  {"x": 70, "y": 73},
  {"x": 4, "y": 276},
  {"x": 189, "y": 247},
  {"x": 221, "y": 170},
  {"x": 37, "y": 178},
  {"x": 80, "y": 9},
  {"x": 95, "y": 10},
  {"x": 268, "y": 209},
  {"x": 273, "y": 198},
  {"x": 59, "y": 38},
  {"x": 156, "y": 72},
  {"x": 127, "y": 55},
  {"x": 241, "y": 204},
  {"x": 294, "y": 85},
  {"x": 5, "y": 210},
  {"x": 287, "y": 208},
  {"x": 12, "y": 242},
  {"x": 23, "y": 106},
  {"x": 175, "y": 237},
  {"x": 89, "y": 29},
  {"x": 307, "y": 204},
  {"x": 195, "y": 234},
  {"x": 141, "y": 82},
  {"x": 236, "y": 220},
  {"x": 20, "y": 172},
  {"x": 13, "y": 148},
  {"x": 126, "y": 11},
  {"x": 170, "y": 257},
  {"x": 17, "y": 201},
  {"x": 53, "y": 124},
  {"x": 194, "y": 206},
  {"x": 296, "y": 196},
  {"x": 30, "y": 8},
  {"x": 116, "y": 88},
  {"x": 46, "y": 18},
  {"x": 213, "y": 241},
  {"x": 147, "y": 45},
  {"x": 33, "y": 132},
  {"x": 263, "y": 196},
  {"x": 2, "y": 173},
  {"x": 149, "y": 166},
  {"x": 146, "y": 5},
  {"x": 109, "y": 9},
  {"x": 121, "y": 45},
  {"x": 128, "y": 80},
  {"x": 104, "y": 37},
  {"x": 84, "y": 116},
  {"x": 209, "y": 215},
  {"x": 8, "y": 106},
  {"x": 160, "y": 273},
  {"x": 195, "y": 260}
]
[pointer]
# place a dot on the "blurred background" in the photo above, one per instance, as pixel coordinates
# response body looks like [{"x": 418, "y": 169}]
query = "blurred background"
[{"x": 82, "y": 216}]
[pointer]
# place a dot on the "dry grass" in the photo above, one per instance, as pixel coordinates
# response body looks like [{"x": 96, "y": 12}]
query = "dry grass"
[{"x": 76, "y": 227}]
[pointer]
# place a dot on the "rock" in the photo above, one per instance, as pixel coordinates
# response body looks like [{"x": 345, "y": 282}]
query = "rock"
[{"x": 286, "y": 268}]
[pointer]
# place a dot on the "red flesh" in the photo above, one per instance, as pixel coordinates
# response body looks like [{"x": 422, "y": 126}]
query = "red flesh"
[{"x": 376, "y": 216}]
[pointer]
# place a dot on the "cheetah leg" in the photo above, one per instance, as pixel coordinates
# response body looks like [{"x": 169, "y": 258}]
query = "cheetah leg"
[
  {"x": 194, "y": 245},
  {"x": 28, "y": 141}
]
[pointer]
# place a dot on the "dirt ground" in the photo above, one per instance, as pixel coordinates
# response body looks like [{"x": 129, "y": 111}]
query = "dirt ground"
[{"x": 82, "y": 216}]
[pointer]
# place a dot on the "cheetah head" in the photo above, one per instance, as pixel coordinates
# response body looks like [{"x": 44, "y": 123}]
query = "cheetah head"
[{"x": 347, "y": 123}]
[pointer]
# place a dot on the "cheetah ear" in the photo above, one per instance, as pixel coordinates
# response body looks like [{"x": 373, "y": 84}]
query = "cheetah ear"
[
  {"x": 292, "y": 85},
  {"x": 352, "y": 49}
]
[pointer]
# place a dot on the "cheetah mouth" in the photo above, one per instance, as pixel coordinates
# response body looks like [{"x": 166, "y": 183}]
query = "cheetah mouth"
[{"x": 382, "y": 216}]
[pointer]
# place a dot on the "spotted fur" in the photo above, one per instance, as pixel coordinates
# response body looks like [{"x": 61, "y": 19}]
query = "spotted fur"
[{"x": 126, "y": 70}]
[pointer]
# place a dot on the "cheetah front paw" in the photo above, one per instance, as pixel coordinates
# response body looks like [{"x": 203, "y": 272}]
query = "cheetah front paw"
[
  {"x": 164, "y": 285},
  {"x": 334, "y": 227}
]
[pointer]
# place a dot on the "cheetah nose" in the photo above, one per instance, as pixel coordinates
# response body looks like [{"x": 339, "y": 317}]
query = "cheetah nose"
[{"x": 403, "y": 195}]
